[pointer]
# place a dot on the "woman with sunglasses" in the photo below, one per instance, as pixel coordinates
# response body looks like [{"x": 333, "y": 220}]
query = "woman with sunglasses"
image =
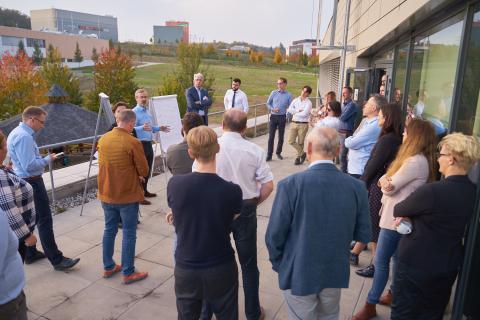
[{"x": 333, "y": 112}]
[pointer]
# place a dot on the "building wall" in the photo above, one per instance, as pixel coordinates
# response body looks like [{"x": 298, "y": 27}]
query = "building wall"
[
  {"x": 184, "y": 25},
  {"x": 166, "y": 34},
  {"x": 105, "y": 27},
  {"x": 64, "y": 42}
]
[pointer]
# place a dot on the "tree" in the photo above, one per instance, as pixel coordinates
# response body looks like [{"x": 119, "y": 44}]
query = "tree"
[
  {"x": 303, "y": 59},
  {"x": 282, "y": 48},
  {"x": 210, "y": 51},
  {"x": 114, "y": 75},
  {"x": 94, "y": 56},
  {"x": 277, "y": 58},
  {"x": 77, "y": 55},
  {"x": 140, "y": 53},
  {"x": 253, "y": 57},
  {"x": 55, "y": 73},
  {"x": 20, "y": 85},
  {"x": 110, "y": 44},
  {"x": 119, "y": 49},
  {"x": 51, "y": 52},
  {"x": 21, "y": 47},
  {"x": 14, "y": 18},
  {"x": 37, "y": 54},
  {"x": 260, "y": 57},
  {"x": 189, "y": 57}
]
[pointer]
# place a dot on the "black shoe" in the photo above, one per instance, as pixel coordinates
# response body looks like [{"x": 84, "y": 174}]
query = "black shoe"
[
  {"x": 145, "y": 202},
  {"x": 279, "y": 156},
  {"x": 303, "y": 157},
  {"x": 150, "y": 195},
  {"x": 120, "y": 225},
  {"x": 297, "y": 161},
  {"x": 37, "y": 256},
  {"x": 366, "y": 272},
  {"x": 353, "y": 259},
  {"x": 66, "y": 264},
  {"x": 269, "y": 158}
]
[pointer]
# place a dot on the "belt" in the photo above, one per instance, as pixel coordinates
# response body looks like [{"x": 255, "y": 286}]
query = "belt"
[
  {"x": 146, "y": 142},
  {"x": 345, "y": 131},
  {"x": 251, "y": 201},
  {"x": 30, "y": 179},
  {"x": 300, "y": 122}
]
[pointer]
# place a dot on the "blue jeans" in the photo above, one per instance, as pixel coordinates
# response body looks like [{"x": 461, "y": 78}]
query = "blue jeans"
[
  {"x": 129, "y": 215},
  {"x": 386, "y": 250}
]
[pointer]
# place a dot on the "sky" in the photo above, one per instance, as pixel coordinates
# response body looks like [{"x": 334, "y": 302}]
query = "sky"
[{"x": 260, "y": 22}]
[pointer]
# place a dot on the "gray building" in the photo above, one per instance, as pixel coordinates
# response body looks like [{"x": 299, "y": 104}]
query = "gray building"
[
  {"x": 104, "y": 27},
  {"x": 167, "y": 34}
]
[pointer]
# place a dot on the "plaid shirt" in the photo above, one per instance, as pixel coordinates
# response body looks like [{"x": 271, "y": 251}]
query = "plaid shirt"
[{"x": 16, "y": 199}]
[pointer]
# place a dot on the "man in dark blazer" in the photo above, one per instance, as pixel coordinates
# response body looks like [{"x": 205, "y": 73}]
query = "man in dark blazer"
[
  {"x": 198, "y": 100},
  {"x": 315, "y": 216}
]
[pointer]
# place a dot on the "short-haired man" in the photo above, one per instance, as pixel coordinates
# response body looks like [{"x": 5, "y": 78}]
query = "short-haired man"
[
  {"x": 347, "y": 122},
  {"x": 243, "y": 162},
  {"x": 300, "y": 109},
  {"x": 144, "y": 131},
  {"x": 236, "y": 98},
  {"x": 311, "y": 226},
  {"x": 198, "y": 100},
  {"x": 178, "y": 160},
  {"x": 277, "y": 103},
  {"x": 29, "y": 165},
  {"x": 204, "y": 206},
  {"x": 122, "y": 167}
]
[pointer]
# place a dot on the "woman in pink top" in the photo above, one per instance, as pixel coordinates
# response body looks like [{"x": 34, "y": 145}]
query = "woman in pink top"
[{"x": 413, "y": 166}]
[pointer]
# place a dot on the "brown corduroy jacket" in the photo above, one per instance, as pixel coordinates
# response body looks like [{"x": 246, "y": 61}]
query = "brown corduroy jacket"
[{"x": 121, "y": 162}]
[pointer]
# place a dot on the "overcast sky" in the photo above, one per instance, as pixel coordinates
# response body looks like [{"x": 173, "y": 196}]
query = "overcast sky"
[{"x": 261, "y": 22}]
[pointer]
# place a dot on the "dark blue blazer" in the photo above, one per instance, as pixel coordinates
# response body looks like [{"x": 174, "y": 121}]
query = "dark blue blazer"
[
  {"x": 192, "y": 97},
  {"x": 315, "y": 216}
]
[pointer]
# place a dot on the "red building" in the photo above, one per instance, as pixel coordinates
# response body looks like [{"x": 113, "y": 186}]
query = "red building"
[{"x": 184, "y": 25}]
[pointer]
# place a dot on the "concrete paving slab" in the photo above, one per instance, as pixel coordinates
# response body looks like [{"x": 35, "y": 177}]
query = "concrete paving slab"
[
  {"x": 161, "y": 253},
  {"x": 91, "y": 233}
]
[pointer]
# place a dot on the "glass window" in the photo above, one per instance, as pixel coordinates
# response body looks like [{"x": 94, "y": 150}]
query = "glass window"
[
  {"x": 400, "y": 73},
  {"x": 11, "y": 41},
  {"x": 433, "y": 72},
  {"x": 468, "y": 116},
  {"x": 31, "y": 42}
]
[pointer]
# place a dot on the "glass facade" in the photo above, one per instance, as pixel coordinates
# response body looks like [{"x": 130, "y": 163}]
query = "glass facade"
[{"x": 400, "y": 73}]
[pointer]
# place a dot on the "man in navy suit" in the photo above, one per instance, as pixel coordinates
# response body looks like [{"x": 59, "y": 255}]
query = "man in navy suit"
[
  {"x": 315, "y": 216},
  {"x": 198, "y": 100}
]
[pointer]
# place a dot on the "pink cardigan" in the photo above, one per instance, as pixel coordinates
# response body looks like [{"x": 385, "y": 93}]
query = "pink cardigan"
[{"x": 412, "y": 174}]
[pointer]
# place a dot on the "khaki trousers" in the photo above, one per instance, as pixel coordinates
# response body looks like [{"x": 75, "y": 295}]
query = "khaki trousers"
[{"x": 296, "y": 137}]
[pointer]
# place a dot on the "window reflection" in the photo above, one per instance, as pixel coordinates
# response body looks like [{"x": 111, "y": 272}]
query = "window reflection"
[{"x": 400, "y": 73}]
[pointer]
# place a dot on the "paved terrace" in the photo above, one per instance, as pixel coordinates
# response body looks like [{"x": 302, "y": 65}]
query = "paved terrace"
[{"x": 82, "y": 293}]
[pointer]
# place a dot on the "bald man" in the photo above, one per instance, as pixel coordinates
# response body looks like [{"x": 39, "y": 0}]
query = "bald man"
[{"x": 311, "y": 226}]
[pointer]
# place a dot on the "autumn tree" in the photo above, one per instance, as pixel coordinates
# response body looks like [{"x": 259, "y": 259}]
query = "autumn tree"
[
  {"x": 21, "y": 47},
  {"x": 37, "y": 54},
  {"x": 114, "y": 75},
  {"x": 20, "y": 84},
  {"x": 54, "y": 72},
  {"x": 77, "y": 55},
  {"x": 94, "y": 55},
  {"x": 277, "y": 58},
  {"x": 189, "y": 57}
]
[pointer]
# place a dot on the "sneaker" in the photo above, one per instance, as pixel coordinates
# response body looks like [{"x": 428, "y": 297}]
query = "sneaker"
[
  {"x": 353, "y": 259},
  {"x": 297, "y": 161},
  {"x": 37, "y": 256},
  {"x": 367, "y": 272},
  {"x": 145, "y": 202},
  {"x": 150, "y": 195},
  {"x": 66, "y": 264},
  {"x": 110, "y": 273},
  {"x": 279, "y": 156},
  {"x": 134, "y": 277}
]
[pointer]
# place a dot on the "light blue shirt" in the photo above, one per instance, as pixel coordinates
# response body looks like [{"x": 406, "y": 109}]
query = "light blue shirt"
[
  {"x": 360, "y": 145},
  {"x": 200, "y": 112},
  {"x": 24, "y": 153},
  {"x": 144, "y": 116},
  {"x": 279, "y": 99},
  {"x": 12, "y": 276}
]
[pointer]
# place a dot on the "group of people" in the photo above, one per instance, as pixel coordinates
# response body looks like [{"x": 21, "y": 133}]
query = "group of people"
[{"x": 387, "y": 193}]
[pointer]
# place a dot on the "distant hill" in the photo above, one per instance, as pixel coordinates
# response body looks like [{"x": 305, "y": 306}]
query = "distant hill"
[{"x": 14, "y": 18}]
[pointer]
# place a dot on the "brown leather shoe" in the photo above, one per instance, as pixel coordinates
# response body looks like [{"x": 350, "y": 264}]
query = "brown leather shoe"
[
  {"x": 386, "y": 299},
  {"x": 367, "y": 312},
  {"x": 134, "y": 277},
  {"x": 110, "y": 273},
  {"x": 145, "y": 202}
]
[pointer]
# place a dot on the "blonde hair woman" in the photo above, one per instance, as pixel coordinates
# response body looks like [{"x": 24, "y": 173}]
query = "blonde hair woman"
[{"x": 413, "y": 166}]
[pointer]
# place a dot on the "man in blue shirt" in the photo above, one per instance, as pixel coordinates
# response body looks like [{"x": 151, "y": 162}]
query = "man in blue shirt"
[
  {"x": 29, "y": 165},
  {"x": 198, "y": 100},
  {"x": 145, "y": 130},
  {"x": 277, "y": 103},
  {"x": 311, "y": 225},
  {"x": 347, "y": 122}
]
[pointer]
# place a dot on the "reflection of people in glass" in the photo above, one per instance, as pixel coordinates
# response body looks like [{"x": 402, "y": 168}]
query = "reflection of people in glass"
[
  {"x": 410, "y": 114},
  {"x": 446, "y": 101},
  {"x": 422, "y": 97},
  {"x": 321, "y": 113},
  {"x": 398, "y": 96},
  {"x": 382, "y": 90}
]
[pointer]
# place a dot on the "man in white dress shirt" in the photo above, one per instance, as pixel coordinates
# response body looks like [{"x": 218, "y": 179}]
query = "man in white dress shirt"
[
  {"x": 244, "y": 163},
  {"x": 236, "y": 98},
  {"x": 300, "y": 109}
]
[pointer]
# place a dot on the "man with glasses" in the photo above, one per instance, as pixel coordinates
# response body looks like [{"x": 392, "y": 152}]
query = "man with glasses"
[
  {"x": 29, "y": 165},
  {"x": 277, "y": 103},
  {"x": 198, "y": 100}
]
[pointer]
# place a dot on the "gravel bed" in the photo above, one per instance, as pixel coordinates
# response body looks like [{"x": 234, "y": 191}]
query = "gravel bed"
[{"x": 74, "y": 201}]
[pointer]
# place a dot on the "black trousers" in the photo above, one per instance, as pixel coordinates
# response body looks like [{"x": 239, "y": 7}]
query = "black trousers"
[
  {"x": 148, "y": 150},
  {"x": 276, "y": 122},
  {"x": 217, "y": 286},
  {"x": 15, "y": 309},
  {"x": 420, "y": 294}
]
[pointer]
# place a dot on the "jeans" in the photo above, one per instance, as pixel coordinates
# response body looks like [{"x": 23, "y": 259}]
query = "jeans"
[
  {"x": 386, "y": 249},
  {"x": 129, "y": 215},
  {"x": 344, "y": 152},
  {"x": 15, "y": 309},
  {"x": 324, "y": 305},
  {"x": 276, "y": 121},
  {"x": 420, "y": 294},
  {"x": 44, "y": 223},
  {"x": 218, "y": 286}
]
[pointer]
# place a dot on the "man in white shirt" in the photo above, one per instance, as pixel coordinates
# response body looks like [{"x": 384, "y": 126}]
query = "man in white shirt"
[
  {"x": 300, "y": 109},
  {"x": 244, "y": 163},
  {"x": 236, "y": 98}
]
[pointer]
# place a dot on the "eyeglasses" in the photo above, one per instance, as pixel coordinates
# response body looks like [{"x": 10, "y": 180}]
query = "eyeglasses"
[
  {"x": 439, "y": 155},
  {"x": 42, "y": 122}
]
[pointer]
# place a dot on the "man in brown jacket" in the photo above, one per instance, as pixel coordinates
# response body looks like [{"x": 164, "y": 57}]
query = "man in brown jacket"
[{"x": 122, "y": 166}]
